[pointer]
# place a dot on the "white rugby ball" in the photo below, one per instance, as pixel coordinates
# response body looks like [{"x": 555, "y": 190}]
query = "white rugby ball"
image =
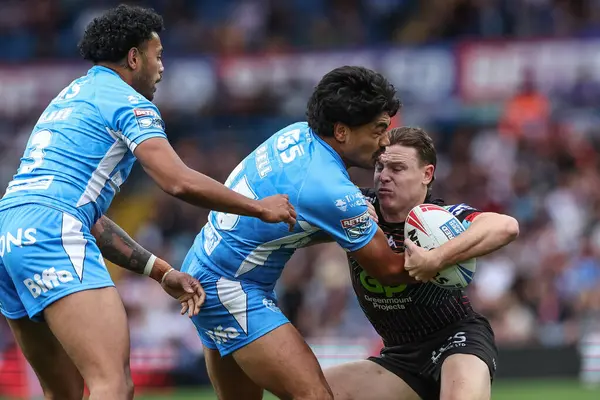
[{"x": 429, "y": 226}]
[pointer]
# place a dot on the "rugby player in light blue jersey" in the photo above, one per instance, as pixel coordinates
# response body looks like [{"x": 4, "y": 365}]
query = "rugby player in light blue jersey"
[
  {"x": 52, "y": 228},
  {"x": 249, "y": 344}
]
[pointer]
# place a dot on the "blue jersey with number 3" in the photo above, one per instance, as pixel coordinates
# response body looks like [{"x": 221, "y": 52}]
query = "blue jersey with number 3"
[
  {"x": 81, "y": 148},
  {"x": 294, "y": 161}
]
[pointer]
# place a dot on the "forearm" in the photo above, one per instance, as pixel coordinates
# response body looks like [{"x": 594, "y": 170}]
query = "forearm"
[
  {"x": 400, "y": 279},
  {"x": 201, "y": 190},
  {"x": 119, "y": 248},
  {"x": 487, "y": 233},
  {"x": 393, "y": 275},
  {"x": 399, "y": 276},
  {"x": 171, "y": 174}
]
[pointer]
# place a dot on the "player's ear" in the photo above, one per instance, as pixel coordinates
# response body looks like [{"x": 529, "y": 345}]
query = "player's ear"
[
  {"x": 134, "y": 58},
  {"x": 428, "y": 172},
  {"x": 340, "y": 132}
]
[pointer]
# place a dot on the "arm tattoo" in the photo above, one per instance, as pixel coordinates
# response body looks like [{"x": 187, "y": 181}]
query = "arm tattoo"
[{"x": 118, "y": 247}]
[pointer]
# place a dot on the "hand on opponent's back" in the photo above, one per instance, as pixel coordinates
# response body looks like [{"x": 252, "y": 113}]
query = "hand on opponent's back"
[{"x": 278, "y": 208}]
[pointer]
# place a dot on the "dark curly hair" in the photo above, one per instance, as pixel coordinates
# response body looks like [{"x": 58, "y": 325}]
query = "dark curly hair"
[
  {"x": 350, "y": 95},
  {"x": 109, "y": 38}
]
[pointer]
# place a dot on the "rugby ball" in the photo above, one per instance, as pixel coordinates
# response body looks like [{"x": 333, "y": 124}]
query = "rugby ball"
[{"x": 429, "y": 226}]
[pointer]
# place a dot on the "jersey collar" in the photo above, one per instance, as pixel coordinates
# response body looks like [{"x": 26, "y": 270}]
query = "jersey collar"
[{"x": 100, "y": 68}]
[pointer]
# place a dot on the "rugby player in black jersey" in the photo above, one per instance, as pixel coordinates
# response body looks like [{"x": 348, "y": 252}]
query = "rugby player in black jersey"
[{"x": 435, "y": 345}]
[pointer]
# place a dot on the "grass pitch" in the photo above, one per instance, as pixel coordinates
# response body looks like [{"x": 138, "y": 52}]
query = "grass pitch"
[{"x": 511, "y": 390}]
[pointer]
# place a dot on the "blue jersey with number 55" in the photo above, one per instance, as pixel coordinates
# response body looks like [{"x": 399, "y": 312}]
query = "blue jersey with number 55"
[
  {"x": 294, "y": 161},
  {"x": 81, "y": 148}
]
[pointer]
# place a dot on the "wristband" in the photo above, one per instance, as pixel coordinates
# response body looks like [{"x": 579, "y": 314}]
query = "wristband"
[{"x": 149, "y": 265}]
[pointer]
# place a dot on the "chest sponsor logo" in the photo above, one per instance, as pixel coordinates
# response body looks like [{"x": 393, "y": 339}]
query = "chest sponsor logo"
[{"x": 386, "y": 298}]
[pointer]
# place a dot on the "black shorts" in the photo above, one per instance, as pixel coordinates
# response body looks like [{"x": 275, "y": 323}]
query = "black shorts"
[{"x": 419, "y": 364}]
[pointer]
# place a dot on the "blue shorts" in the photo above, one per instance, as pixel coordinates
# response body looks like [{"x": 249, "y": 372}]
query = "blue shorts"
[
  {"x": 235, "y": 313},
  {"x": 45, "y": 255}
]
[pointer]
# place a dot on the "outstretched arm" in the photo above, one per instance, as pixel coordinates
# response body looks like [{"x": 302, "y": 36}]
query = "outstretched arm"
[
  {"x": 170, "y": 173},
  {"x": 119, "y": 248},
  {"x": 142, "y": 129}
]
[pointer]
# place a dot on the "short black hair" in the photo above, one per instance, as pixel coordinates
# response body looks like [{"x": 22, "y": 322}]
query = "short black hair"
[
  {"x": 109, "y": 38},
  {"x": 350, "y": 95}
]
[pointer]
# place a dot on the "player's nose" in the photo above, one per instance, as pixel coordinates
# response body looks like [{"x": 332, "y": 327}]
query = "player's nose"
[
  {"x": 385, "y": 140},
  {"x": 384, "y": 176}
]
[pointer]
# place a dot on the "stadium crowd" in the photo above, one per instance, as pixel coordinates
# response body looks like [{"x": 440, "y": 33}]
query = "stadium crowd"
[
  {"x": 542, "y": 166},
  {"x": 46, "y": 29}
]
